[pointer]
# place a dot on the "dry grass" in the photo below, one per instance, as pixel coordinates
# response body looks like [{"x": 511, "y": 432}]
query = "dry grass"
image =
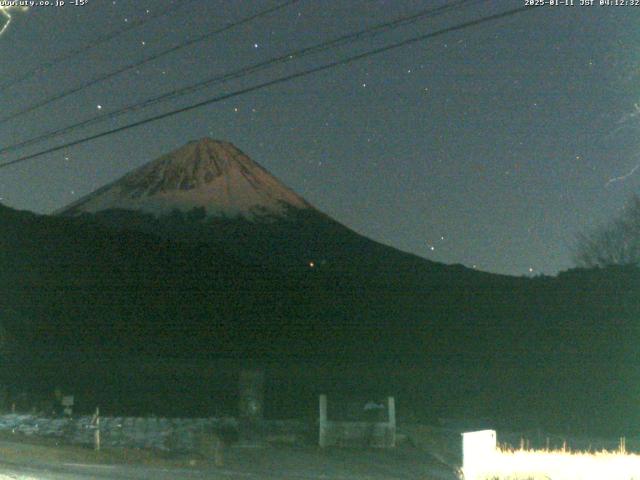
[{"x": 522, "y": 464}]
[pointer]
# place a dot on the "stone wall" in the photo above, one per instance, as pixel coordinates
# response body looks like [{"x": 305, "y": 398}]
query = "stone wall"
[{"x": 175, "y": 434}]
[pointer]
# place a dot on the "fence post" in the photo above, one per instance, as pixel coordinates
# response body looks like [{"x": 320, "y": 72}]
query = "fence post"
[
  {"x": 322, "y": 441},
  {"x": 96, "y": 433},
  {"x": 251, "y": 405},
  {"x": 392, "y": 420}
]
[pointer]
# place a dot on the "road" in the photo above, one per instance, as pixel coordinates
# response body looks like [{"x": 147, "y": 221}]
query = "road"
[{"x": 262, "y": 463}]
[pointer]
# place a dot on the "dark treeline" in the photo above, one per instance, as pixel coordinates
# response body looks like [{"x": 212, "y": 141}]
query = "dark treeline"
[{"x": 321, "y": 308}]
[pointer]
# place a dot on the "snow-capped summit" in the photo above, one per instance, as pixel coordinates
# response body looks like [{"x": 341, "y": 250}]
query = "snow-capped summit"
[{"x": 206, "y": 173}]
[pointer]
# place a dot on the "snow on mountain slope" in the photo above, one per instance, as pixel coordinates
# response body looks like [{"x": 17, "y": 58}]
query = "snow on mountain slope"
[{"x": 208, "y": 174}]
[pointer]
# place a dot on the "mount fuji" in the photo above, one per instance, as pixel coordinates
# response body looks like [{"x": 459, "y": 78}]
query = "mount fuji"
[
  {"x": 206, "y": 174},
  {"x": 210, "y": 192},
  {"x": 206, "y": 218}
]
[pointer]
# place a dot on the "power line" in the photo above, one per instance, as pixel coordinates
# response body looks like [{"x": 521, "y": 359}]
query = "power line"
[
  {"x": 97, "y": 42},
  {"x": 131, "y": 66},
  {"x": 270, "y": 83},
  {"x": 314, "y": 49}
]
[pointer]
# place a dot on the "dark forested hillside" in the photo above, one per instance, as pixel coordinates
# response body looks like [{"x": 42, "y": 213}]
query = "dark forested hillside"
[{"x": 446, "y": 339}]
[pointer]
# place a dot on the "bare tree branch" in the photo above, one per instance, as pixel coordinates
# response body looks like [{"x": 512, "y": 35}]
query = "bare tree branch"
[{"x": 615, "y": 243}]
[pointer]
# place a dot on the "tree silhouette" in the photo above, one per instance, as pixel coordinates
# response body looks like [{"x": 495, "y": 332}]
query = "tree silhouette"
[{"x": 614, "y": 243}]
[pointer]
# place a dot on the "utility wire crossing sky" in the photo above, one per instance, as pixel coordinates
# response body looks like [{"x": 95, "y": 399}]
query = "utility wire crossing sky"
[{"x": 489, "y": 143}]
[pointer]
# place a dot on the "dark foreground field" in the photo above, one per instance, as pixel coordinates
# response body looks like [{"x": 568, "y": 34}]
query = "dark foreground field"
[{"x": 28, "y": 460}]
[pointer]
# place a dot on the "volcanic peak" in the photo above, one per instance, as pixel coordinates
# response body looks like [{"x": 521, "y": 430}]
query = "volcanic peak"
[{"x": 210, "y": 174}]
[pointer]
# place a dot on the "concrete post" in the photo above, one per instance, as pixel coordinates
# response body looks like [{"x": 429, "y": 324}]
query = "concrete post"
[
  {"x": 391, "y": 410},
  {"x": 322, "y": 440}
]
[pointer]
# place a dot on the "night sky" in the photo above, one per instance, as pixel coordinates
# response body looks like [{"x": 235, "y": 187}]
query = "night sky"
[{"x": 491, "y": 146}]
